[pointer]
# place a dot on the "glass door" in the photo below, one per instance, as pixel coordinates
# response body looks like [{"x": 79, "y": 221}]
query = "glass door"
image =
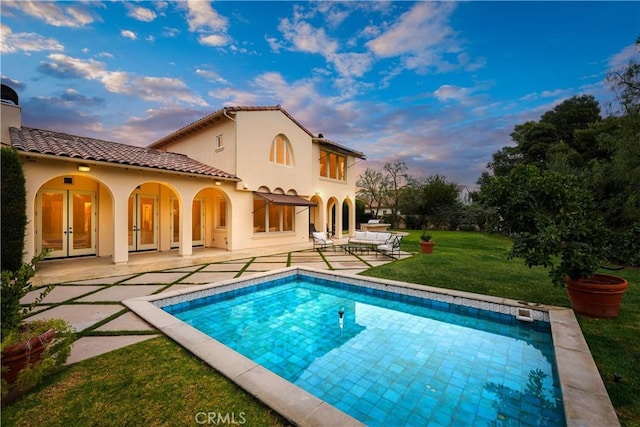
[
  {"x": 175, "y": 223},
  {"x": 197, "y": 223},
  {"x": 142, "y": 218},
  {"x": 66, "y": 222}
]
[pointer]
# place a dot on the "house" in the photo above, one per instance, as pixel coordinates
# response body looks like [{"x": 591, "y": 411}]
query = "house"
[
  {"x": 239, "y": 178},
  {"x": 464, "y": 196}
]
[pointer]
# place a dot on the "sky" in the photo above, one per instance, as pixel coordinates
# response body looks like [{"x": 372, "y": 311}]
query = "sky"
[{"x": 438, "y": 85}]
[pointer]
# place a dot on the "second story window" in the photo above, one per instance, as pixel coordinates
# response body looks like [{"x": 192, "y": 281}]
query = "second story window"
[
  {"x": 219, "y": 142},
  {"x": 281, "y": 152},
  {"x": 332, "y": 165}
]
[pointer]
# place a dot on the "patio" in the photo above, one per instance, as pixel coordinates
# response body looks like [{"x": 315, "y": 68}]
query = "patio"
[{"x": 88, "y": 292}]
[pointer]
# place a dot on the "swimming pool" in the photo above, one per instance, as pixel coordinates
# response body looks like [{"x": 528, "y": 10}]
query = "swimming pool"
[{"x": 440, "y": 358}]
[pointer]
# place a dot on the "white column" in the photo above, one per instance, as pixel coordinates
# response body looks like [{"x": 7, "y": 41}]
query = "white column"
[{"x": 120, "y": 228}]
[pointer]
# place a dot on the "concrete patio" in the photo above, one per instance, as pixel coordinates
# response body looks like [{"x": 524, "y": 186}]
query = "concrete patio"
[{"x": 88, "y": 292}]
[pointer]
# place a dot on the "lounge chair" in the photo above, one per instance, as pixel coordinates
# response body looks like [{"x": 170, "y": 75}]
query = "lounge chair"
[
  {"x": 320, "y": 240},
  {"x": 391, "y": 247}
]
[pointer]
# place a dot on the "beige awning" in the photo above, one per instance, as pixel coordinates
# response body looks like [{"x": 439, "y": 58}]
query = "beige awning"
[{"x": 285, "y": 199}]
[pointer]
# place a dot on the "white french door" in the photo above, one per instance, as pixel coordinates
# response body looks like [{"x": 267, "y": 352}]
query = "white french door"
[
  {"x": 197, "y": 223},
  {"x": 143, "y": 222},
  {"x": 67, "y": 222}
]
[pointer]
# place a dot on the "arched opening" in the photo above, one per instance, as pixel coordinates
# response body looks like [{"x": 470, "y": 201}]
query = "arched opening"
[
  {"x": 149, "y": 225},
  {"x": 73, "y": 216}
]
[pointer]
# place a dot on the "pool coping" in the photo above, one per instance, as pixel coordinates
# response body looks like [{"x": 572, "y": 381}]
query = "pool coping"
[{"x": 585, "y": 398}]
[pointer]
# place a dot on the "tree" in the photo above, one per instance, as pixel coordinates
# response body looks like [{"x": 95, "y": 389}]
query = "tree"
[
  {"x": 575, "y": 113},
  {"x": 432, "y": 199},
  {"x": 14, "y": 214},
  {"x": 373, "y": 189},
  {"x": 625, "y": 83},
  {"x": 397, "y": 175}
]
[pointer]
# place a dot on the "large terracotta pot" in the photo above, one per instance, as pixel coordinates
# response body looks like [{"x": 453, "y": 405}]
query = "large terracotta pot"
[
  {"x": 597, "y": 296},
  {"x": 427, "y": 247},
  {"x": 25, "y": 353}
]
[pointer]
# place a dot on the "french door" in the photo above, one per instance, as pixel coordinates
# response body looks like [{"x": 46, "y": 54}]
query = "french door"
[
  {"x": 67, "y": 222},
  {"x": 197, "y": 223},
  {"x": 143, "y": 222}
]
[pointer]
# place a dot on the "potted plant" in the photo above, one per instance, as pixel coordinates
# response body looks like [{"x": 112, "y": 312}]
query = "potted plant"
[
  {"x": 426, "y": 244},
  {"x": 30, "y": 349},
  {"x": 554, "y": 224}
]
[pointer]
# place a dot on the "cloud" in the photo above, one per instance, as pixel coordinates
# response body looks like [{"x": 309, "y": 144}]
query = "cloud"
[
  {"x": 141, "y": 14},
  {"x": 211, "y": 26},
  {"x": 128, "y": 34},
  {"x": 448, "y": 92},
  {"x": 155, "y": 124},
  {"x": 72, "y": 15},
  {"x": 25, "y": 42},
  {"x": 157, "y": 89},
  {"x": 621, "y": 59},
  {"x": 424, "y": 40},
  {"x": 211, "y": 76},
  {"x": 304, "y": 37},
  {"x": 14, "y": 84}
]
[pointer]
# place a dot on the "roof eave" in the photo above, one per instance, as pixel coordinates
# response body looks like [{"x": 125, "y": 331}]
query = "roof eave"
[{"x": 80, "y": 160}]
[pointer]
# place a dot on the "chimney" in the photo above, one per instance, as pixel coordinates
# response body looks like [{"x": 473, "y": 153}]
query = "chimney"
[{"x": 10, "y": 113}]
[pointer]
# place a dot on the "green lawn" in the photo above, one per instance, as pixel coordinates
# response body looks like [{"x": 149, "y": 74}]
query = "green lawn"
[{"x": 158, "y": 383}]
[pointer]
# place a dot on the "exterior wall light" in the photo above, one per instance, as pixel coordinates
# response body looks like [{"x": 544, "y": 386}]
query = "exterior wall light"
[{"x": 84, "y": 168}]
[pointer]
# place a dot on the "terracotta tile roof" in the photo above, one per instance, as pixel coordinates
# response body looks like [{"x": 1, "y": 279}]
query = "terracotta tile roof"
[
  {"x": 77, "y": 147},
  {"x": 339, "y": 147}
]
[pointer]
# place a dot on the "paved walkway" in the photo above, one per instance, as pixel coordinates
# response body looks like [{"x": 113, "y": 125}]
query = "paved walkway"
[{"x": 88, "y": 293}]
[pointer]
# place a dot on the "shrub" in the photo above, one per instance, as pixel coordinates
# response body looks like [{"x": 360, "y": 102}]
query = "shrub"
[{"x": 13, "y": 214}]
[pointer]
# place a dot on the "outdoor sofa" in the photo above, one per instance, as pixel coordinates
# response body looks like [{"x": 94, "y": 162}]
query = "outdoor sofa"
[
  {"x": 370, "y": 238},
  {"x": 384, "y": 242}
]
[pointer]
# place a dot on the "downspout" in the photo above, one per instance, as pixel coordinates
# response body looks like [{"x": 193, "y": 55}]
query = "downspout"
[{"x": 228, "y": 116}]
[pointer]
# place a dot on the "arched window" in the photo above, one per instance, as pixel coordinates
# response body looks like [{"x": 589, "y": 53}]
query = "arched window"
[{"x": 281, "y": 152}]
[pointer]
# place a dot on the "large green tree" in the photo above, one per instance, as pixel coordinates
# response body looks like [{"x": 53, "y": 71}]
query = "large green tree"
[{"x": 573, "y": 139}]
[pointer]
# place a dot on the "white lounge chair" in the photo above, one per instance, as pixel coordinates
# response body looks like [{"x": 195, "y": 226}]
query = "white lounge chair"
[{"x": 320, "y": 240}]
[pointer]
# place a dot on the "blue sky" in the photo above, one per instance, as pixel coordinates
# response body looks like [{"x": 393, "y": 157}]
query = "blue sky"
[{"x": 439, "y": 85}]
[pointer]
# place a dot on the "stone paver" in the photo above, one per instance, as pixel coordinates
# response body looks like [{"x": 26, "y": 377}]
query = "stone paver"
[
  {"x": 209, "y": 277},
  {"x": 59, "y": 294},
  {"x": 266, "y": 266},
  {"x": 87, "y": 347},
  {"x": 121, "y": 293},
  {"x": 80, "y": 316},
  {"x": 150, "y": 278},
  {"x": 102, "y": 280},
  {"x": 127, "y": 322},
  {"x": 222, "y": 267}
]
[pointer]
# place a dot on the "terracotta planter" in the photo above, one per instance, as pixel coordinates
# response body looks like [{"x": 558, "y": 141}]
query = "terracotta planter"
[
  {"x": 427, "y": 247},
  {"x": 597, "y": 296},
  {"x": 25, "y": 353}
]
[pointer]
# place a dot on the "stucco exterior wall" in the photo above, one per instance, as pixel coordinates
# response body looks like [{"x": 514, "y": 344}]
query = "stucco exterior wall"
[
  {"x": 256, "y": 132},
  {"x": 201, "y": 146}
]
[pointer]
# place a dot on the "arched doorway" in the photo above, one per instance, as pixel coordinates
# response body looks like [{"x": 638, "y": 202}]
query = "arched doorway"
[
  {"x": 148, "y": 217},
  {"x": 67, "y": 210}
]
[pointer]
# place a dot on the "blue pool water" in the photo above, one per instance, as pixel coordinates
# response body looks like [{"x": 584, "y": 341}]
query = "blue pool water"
[{"x": 392, "y": 360}]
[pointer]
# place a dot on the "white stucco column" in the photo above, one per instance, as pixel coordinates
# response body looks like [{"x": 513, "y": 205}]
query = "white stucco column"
[
  {"x": 120, "y": 228},
  {"x": 30, "y": 229},
  {"x": 186, "y": 239}
]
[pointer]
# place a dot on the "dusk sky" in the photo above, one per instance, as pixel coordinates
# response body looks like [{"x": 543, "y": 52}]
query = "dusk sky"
[{"x": 439, "y": 85}]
